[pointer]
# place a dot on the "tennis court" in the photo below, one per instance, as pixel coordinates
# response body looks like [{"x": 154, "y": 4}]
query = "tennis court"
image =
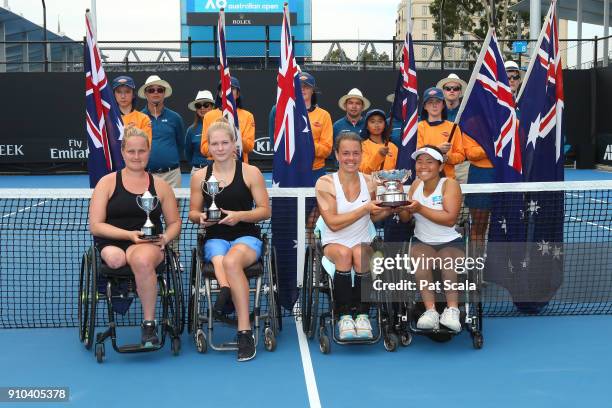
[{"x": 560, "y": 361}]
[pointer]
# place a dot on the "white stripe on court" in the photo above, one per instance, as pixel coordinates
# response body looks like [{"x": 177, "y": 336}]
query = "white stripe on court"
[
  {"x": 590, "y": 223},
  {"x": 311, "y": 382}
]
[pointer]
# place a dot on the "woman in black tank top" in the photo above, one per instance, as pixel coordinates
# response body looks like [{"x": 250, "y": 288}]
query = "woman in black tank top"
[
  {"x": 233, "y": 243},
  {"x": 115, "y": 221}
]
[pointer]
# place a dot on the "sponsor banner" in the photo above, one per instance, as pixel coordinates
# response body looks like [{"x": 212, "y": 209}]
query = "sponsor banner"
[
  {"x": 604, "y": 149},
  {"x": 47, "y": 150},
  {"x": 237, "y": 19}
]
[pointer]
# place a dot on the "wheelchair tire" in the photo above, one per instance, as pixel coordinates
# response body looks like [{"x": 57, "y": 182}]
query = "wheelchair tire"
[
  {"x": 276, "y": 288},
  {"x": 92, "y": 298},
  {"x": 200, "y": 340},
  {"x": 192, "y": 272},
  {"x": 176, "y": 346},
  {"x": 306, "y": 299},
  {"x": 269, "y": 339},
  {"x": 405, "y": 339},
  {"x": 83, "y": 300},
  {"x": 477, "y": 341},
  {"x": 324, "y": 344},
  {"x": 100, "y": 353},
  {"x": 391, "y": 341},
  {"x": 176, "y": 307}
]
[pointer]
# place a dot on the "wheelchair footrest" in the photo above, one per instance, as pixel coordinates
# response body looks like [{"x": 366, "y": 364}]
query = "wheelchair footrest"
[{"x": 136, "y": 348}]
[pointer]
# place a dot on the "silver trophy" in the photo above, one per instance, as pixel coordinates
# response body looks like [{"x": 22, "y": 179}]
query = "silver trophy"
[
  {"x": 147, "y": 203},
  {"x": 393, "y": 194},
  {"x": 212, "y": 187}
]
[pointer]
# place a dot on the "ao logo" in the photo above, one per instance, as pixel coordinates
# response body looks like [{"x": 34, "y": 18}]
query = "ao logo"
[
  {"x": 216, "y": 4},
  {"x": 608, "y": 153}
]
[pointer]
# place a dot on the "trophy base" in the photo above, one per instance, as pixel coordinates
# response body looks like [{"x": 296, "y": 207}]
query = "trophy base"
[
  {"x": 150, "y": 237},
  {"x": 393, "y": 200},
  {"x": 213, "y": 215}
]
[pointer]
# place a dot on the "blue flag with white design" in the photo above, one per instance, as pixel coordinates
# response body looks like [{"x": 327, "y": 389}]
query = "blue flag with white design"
[
  {"x": 103, "y": 119},
  {"x": 293, "y": 158}
]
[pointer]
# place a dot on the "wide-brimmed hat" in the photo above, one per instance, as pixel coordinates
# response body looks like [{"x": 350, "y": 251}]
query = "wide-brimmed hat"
[
  {"x": 353, "y": 93},
  {"x": 511, "y": 66},
  {"x": 155, "y": 80},
  {"x": 390, "y": 98},
  {"x": 452, "y": 78},
  {"x": 202, "y": 96}
]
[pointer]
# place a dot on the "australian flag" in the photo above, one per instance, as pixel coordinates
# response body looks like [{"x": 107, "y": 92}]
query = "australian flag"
[
  {"x": 488, "y": 115},
  {"x": 405, "y": 106},
  {"x": 228, "y": 104},
  {"x": 103, "y": 120},
  {"x": 541, "y": 105},
  {"x": 293, "y": 157}
]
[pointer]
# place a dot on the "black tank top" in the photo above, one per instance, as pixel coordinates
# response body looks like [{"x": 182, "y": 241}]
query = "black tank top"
[
  {"x": 234, "y": 197},
  {"x": 123, "y": 212}
]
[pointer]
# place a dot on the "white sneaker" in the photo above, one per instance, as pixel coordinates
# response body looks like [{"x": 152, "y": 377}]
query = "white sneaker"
[
  {"x": 346, "y": 328},
  {"x": 429, "y": 320},
  {"x": 450, "y": 319},
  {"x": 363, "y": 327}
]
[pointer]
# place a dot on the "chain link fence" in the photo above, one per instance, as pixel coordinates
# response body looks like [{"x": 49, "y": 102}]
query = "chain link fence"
[{"x": 67, "y": 56}]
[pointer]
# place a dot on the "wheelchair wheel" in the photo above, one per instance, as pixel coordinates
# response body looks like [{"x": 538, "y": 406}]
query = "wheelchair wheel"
[
  {"x": 477, "y": 341},
  {"x": 391, "y": 342},
  {"x": 194, "y": 296},
  {"x": 269, "y": 339},
  {"x": 92, "y": 298},
  {"x": 176, "y": 307},
  {"x": 192, "y": 273},
  {"x": 100, "y": 353},
  {"x": 83, "y": 300},
  {"x": 274, "y": 275},
  {"x": 306, "y": 298},
  {"x": 200, "y": 340}
]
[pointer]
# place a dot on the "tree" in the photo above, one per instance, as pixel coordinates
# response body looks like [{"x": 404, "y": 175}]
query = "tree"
[{"x": 471, "y": 17}]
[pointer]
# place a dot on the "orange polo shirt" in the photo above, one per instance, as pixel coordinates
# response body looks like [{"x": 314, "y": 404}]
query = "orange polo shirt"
[
  {"x": 246, "y": 121},
  {"x": 475, "y": 154},
  {"x": 372, "y": 161},
  {"x": 322, "y": 134},
  {"x": 139, "y": 120},
  {"x": 433, "y": 135}
]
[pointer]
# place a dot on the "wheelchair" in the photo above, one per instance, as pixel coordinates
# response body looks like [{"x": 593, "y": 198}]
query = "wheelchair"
[
  {"x": 116, "y": 288},
  {"x": 317, "y": 301},
  {"x": 263, "y": 298},
  {"x": 471, "y": 309}
]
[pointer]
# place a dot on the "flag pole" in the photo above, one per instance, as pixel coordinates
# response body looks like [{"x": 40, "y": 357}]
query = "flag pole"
[{"x": 534, "y": 53}]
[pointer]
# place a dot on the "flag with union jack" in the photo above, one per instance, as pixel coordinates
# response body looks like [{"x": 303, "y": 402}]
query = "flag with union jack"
[
  {"x": 103, "y": 119},
  {"x": 540, "y": 103},
  {"x": 487, "y": 112},
  {"x": 405, "y": 105},
  {"x": 228, "y": 104},
  {"x": 293, "y": 157}
]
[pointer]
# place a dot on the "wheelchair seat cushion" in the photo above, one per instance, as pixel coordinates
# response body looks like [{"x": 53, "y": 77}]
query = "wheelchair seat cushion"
[
  {"x": 253, "y": 271},
  {"x": 126, "y": 271}
]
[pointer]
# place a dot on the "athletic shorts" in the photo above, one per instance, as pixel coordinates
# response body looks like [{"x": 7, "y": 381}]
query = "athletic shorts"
[{"x": 214, "y": 246}]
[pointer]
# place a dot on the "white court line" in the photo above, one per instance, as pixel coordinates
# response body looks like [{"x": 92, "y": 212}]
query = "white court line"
[
  {"x": 24, "y": 209},
  {"x": 591, "y": 199},
  {"x": 311, "y": 382},
  {"x": 590, "y": 223}
]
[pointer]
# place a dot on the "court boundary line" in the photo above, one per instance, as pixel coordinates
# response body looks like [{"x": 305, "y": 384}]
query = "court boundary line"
[{"x": 309, "y": 376}]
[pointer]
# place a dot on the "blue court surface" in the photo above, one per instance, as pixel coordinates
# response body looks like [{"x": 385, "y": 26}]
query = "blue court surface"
[{"x": 525, "y": 362}]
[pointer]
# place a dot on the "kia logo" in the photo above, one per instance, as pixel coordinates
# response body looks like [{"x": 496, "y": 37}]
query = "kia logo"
[{"x": 263, "y": 147}]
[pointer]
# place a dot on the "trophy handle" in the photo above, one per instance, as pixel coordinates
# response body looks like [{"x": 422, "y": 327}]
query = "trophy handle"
[
  {"x": 139, "y": 202},
  {"x": 155, "y": 203}
]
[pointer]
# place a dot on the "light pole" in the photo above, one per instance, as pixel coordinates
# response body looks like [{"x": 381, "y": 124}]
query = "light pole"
[{"x": 45, "y": 35}]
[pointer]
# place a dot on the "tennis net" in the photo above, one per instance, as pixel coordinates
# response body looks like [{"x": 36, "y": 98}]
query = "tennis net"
[{"x": 44, "y": 232}]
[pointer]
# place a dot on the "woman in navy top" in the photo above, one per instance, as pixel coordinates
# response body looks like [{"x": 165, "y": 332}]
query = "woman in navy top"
[{"x": 202, "y": 104}]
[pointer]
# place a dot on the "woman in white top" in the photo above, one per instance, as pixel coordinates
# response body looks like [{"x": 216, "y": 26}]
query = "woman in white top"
[
  {"x": 346, "y": 200},
  {"x": 436, "y": 202}
]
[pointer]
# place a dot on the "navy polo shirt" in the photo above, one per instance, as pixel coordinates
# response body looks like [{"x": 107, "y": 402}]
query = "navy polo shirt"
[{"x": 168, "y": 139}]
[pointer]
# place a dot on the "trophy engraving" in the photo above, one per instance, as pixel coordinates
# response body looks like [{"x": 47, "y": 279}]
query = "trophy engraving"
[
  {"x": 147, "y": 202},
  {"x": 393, "y": 181},
  {"x": 212, "y": 187}
]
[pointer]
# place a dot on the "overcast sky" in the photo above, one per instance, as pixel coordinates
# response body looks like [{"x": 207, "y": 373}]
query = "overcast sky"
[{"x": 160, "y": 19}]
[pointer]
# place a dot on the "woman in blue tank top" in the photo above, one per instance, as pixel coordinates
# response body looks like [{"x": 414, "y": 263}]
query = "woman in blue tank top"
[
  {"x": 115, "y": 221},
  {"x": 234, "y": 242},
  {"x": 436, "y": 202}
]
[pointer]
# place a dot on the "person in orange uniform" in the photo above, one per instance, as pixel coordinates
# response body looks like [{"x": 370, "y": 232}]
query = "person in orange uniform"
[
  {"x": 124, "y": 90},
  {"x": 481, "y": 171},
  {"x": 246, "y": 121},
  {"x": 320, "y": 123},
  {"x": 435, "y": 130},
  {"x": 378, "y": 153}
]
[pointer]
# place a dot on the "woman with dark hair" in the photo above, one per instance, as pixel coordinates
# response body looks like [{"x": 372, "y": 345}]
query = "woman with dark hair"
[
  {"x": 435, "y": 205},
  {"x": 202, "y": 104},
  {"x": 378, "y": 153},
  {"x": 246, "y": 122},
  {"x": 346, "y": 200},
  {"x": 434, "y": 129}
]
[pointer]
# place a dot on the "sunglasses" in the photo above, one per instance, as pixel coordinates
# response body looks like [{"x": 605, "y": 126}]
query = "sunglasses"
[
  {"x": 452, "y": 88},
  {"x": 155, "y": 90},
  {"x": 515, "y": 77},
  {"x": 203, "y": 105}
]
